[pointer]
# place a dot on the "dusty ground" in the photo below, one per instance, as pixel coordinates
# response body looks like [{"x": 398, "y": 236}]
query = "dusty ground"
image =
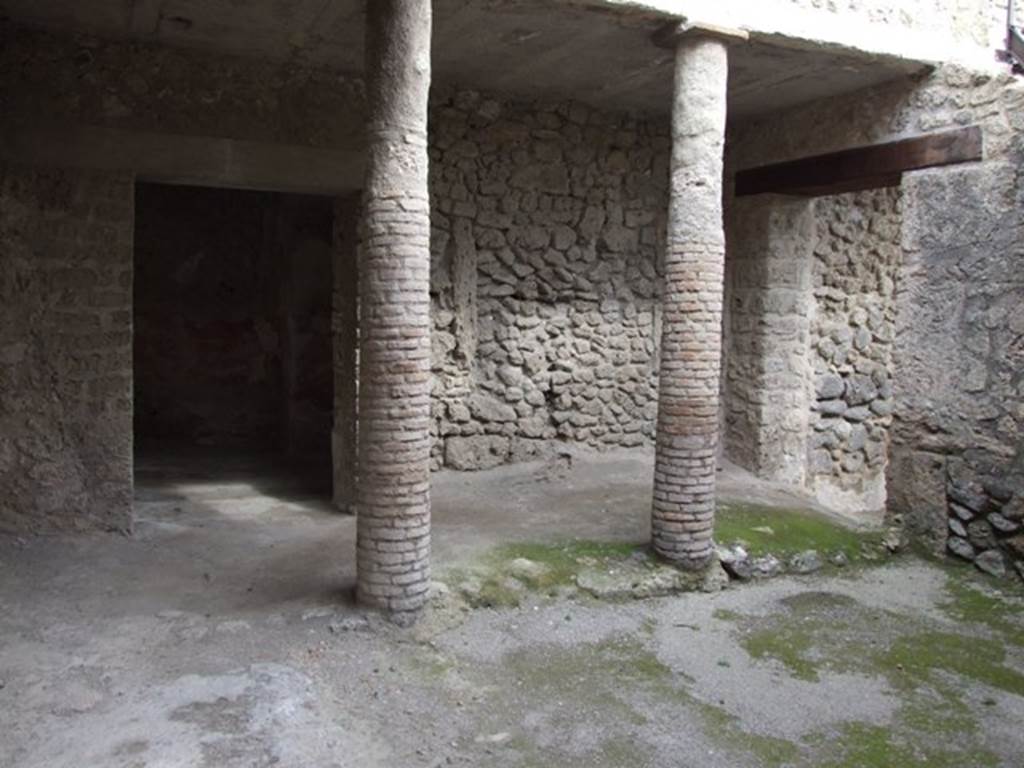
[{"x": 222, "y": 635}]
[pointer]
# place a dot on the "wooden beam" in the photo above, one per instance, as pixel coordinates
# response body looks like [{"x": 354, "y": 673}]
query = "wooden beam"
[
  {"x": 1015, "y": 46},
  {"x": 872, "y": 167},
  {"x": 145, "y": 17}
]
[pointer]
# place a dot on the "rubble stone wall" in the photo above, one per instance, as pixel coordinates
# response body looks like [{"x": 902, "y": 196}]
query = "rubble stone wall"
[
  {"x": 856, "y": 264},
  {"x": 48, "y": 79},
  {"x": 548, "y": 224},
  {"x": 956, "y": 458},
  {"x": 65, "y": 350}
]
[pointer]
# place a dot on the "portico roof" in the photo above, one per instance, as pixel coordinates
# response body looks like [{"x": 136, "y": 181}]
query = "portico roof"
[{"x": 526, "y": 48}]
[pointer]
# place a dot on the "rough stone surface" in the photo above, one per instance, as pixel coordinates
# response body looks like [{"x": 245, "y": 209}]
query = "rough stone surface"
[
  {"x": 991, "y": 562},
  {"x": 857, "y": 259},
  {"x": 476, "y": 452},
  {"x": 65, "y": 350},
  {"x": 964, "y": 401},
  {"x": 547, "y": 223},
  {"x": 806, "y": 562},
  {"x": 143, "y": 86},
  {"x": 955, "y": 402},
  {"x": 961, "y": 548},
  {"x": 768, "y": 279}
]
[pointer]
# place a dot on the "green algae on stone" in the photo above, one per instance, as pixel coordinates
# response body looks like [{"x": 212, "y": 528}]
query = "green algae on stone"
[
  {"x": 432, "y": 665},
  {"x": 917, "y": 657},
  {"x": 927, "y": 668},
  {"x": 606, "y": 668},
  {"x": 864, "y": 745},
  {"x": 494, "y": 581},
  {"x": 484, "y": 588},
  {"x": 724, "y": 614},
  {"x": 562, "y": 561},
  {"x": 973, "y": 602},
  {"x": 785, "y": 532},
  {"x": 725, "y": 729},
  {"x": 789, "y": 646},
  {"x": 811, "y": 619}
]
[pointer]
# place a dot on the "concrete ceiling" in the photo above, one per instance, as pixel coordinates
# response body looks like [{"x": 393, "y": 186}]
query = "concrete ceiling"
[{"x": 532, "y": 48}]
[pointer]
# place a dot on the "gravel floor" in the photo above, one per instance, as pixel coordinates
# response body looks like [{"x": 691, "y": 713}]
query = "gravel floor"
[{"x": 221, "y": 635}]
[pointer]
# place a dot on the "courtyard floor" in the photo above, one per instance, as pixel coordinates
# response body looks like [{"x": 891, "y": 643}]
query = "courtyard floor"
[{"x": 223, "y": 634}]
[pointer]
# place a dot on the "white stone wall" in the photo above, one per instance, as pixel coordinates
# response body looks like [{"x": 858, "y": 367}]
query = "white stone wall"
[{"x": 966, "y": 31}]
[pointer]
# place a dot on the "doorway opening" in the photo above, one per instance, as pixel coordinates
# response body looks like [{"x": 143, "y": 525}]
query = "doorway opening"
[{"x": 233, "y": 356}]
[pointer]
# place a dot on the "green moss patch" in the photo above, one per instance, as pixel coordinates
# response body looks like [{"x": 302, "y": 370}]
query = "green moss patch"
[
  {"x": 604, "y": 672},
  {"x": 977, "y": 602},
  {"x": 932, "y": 672},
  {"x": 792, "y": 648},
  {"x": 862, "y": 745},
  {"x": 785, "y": 532},
  {"x": 503, "y": 576},
  {"x": 725, "y": 729},
  {"x": 915, "y": 659},
  {"x": 564, "y": 560}
]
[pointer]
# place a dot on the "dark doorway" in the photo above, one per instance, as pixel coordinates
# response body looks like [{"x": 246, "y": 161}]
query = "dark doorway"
[{"x": 233, "y": 361}]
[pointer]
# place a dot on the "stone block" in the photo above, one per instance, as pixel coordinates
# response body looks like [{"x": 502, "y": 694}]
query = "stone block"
[
  {"x": 830, "y": 387},
  {"x": 476, "y": 453},
  {"x": 488, "y": 409}
]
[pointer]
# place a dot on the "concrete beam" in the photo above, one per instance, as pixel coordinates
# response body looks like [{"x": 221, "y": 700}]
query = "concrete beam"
[
  {"x": 177, "y": 159},
  {"x": 669, "y": 35}
]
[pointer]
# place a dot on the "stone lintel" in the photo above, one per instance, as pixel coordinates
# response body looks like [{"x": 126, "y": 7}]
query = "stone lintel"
[{"x": 673, "y": 33}]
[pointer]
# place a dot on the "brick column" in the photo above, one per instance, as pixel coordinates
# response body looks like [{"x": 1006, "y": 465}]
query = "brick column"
[
  {"x": 393, "y": 486},
  {"x": 683, "y": 513}
]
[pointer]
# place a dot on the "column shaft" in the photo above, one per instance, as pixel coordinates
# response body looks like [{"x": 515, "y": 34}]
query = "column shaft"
[
  {"x": 393, "y": 488},
  {"x": 687, "y": 429}
]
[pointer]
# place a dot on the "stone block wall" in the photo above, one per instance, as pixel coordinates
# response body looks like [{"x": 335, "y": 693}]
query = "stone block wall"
[
  {"x": 65, "y": 350},
  {"x": 857, "y": 259},
  {"x": 956, "y": 458},
  {"x": 811, "y": 322},
  {"x": 548, "y": 225},
  {"x": 48, "y": 79},
  {"x": 769, "y": 309}
]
